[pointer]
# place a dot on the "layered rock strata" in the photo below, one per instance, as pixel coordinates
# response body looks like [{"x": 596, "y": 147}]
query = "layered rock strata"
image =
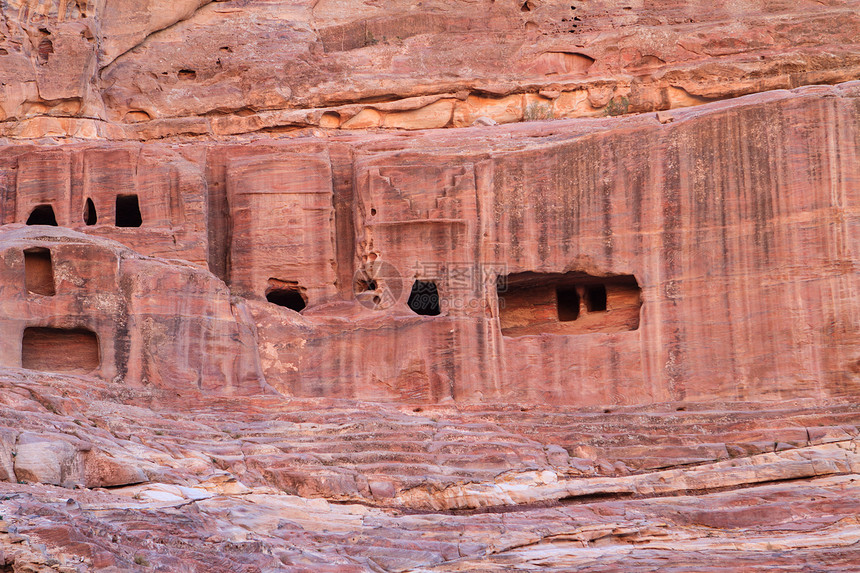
[
  {"x": 267, "y": 483},
  {"x": 616, "y": 261},
  {"x": 122, "y": 69},
  {"x": 278, "y": 291}
]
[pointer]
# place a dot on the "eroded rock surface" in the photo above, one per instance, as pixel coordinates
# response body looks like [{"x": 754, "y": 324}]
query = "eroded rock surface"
[
  {"x": 615, "y": 260},
  {"x": 125, "y": 69},
  {"x": 276, "y": 484},
  {"x": 280, "y": 290},
  {"x": 93, "y": 306}
]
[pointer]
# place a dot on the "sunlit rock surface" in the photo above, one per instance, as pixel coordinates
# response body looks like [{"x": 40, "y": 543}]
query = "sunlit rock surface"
[
  {"x": 429, "y": 286},
  {"x": 585, "y": 262}
]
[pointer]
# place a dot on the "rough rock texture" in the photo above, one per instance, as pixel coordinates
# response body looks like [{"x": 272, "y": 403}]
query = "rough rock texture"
[
  {"x": 744, "y": 253},
  {"x": 174, "y": 206},
  {"x": 266, "y": 483},
  {"x": 280, "y": 292},
  {"x": 126, "y": 69},
  {"x": 148, "y": 322}
]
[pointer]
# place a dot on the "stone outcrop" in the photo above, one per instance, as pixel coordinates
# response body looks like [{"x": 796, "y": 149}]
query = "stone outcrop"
[
  {"x": 648, "y": 263},
  {"x": 336, "y": 485},
  {"x": 123, "y": 69},
  {"x": 414, "y": 286},
  {"x": 103, "y": 310}
]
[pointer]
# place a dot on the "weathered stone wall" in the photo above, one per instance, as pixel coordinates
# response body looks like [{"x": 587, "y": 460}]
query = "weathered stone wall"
[
  {"x": 145, "y": 70},
  {"x": 168, "y": 325},
  {"x": 524, "y": 284},
  {"x": 171, "y": 189},
  {"x": 281, "y": 213},
  {"x": 737, "y": 221},
  {"x": 734, "y": 220}
]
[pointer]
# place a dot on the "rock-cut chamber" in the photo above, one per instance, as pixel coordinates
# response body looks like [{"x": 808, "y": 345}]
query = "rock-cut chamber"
[
  {"x": 568, "y": 303},
  {"x": 60, "y": 350}
]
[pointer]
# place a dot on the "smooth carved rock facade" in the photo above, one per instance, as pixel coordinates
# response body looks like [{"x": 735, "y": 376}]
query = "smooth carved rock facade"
[
  {"x": 710, "y": 254},
  {"x": 118, "y": 315},
  {"x": 357, "y": 286}
]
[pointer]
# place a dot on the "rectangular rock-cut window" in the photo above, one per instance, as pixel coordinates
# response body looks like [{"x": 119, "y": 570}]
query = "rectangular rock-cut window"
[
  {"x": 595, "y": 298},
  {"x": 38, "y": 271},
  {"x": 567, "y": 303},
  {"x": 128, "y": 211},
  {"x": 60, "y": 350}
]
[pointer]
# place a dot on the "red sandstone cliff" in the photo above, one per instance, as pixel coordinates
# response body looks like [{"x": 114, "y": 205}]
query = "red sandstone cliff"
[
  {"x": 740, "y": 257},
  {"x": 125, "y": 69},
  {"x": 276, "y": 273}
]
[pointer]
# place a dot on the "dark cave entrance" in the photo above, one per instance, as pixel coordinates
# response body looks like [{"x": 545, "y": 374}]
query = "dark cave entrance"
[
  {"x": 90, "y": 217},
  {"x": 43, "y": 215},
  {"x": 424, "y": 298},
  {"x": 568, "y": 304},
  {"x": 128, "y": 211},
  {"x": 287, "y": 294}
]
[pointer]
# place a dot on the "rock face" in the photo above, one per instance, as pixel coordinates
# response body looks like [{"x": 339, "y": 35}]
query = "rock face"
[
  {"x": 73, "y": 303},
  {"x": 237, "y": 483},
  {"x": 429, "y": 285},
  {"x": 618, "y": 261},
  {"x": 132, "y": 69}
]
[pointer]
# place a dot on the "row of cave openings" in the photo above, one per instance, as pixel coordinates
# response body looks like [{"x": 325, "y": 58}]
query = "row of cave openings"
[
  {"x": 528, "y": 303},
  {"x": 423, "y": 298},
  {"x": 127, "y": 213}
]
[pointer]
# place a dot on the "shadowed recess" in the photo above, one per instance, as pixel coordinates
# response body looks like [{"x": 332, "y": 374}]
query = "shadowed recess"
[
  {"x": 424, "y": 298},
  {"x": 287, "y": 294},
  {"x": 90, "y": 217},
  {"x": 38, "y": 271},
  {"x": 42, "y": 215},
  {"x": 569, "y": 303},
  {"x": 128, "y": 211},
  {"x": 59, "y": 350}
]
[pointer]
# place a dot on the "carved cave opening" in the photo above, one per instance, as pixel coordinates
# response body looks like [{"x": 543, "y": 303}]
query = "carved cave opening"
[
  {"x": 39, "y": 271},
  {"x": 128, "y": 211},
  {"x": 60, "y": 350},
  {"x": 567, "y": 303},
  {"x": 424, "y": 298},
  {"x": 287, "y": 294},
  {"x": 595, "y": 298},
  {"x": 366, "y": 288},
  {"x": 90, "y": 217},
  {"x": 43, "y": 215}
]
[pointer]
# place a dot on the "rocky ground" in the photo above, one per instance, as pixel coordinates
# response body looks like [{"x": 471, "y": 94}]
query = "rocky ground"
[{"x": 101, "y": 477}]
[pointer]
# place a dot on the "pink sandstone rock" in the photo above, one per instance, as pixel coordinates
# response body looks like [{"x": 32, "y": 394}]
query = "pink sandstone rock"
[
  {"x": 429, "y": 286},
  {"x": 338, "y": 485},
  {"x": 106, "y": 314},
  {"x": 131, "y": 70},
  {"x": 734, "y": 266}
]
